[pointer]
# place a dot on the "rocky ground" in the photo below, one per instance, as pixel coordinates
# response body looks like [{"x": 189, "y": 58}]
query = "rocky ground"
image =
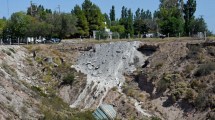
[{"x": 142, "y": 80}]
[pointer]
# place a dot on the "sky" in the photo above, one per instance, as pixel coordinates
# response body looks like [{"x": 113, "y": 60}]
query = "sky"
[{"x": 205, "y": 8}]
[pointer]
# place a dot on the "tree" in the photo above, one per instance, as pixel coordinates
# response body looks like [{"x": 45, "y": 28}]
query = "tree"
[
  {"x": 112, "y": 14},
  {"x": 82, "y": 24},
  {"x": 198, "y": 25},
  {"x": 18, "y": 24},
  {"x": 2, "y": 25},
  {"x": 139, "y": 23},
  {"x": 140, "y": 27},
  {"x": 189, "y": 10},
  {"x": 123, "y": 12},
  {"x": 130, "y": 28},
  {"x": 137, "y": 14},
  {"x": 126, "y": 20},
  {"x": 65, "y": 25},
  {"x": 170, "y": 18},
  {"x": 118, "y": 28},
  {"x": 155, "y": 14},
  {"x": 168, "y": 4},
  {"x": 38, "y": 11},
  {"x": 94, "y": 16},
  {"x": 146, "y": 14},
  {"x": 107, "y": 20}
]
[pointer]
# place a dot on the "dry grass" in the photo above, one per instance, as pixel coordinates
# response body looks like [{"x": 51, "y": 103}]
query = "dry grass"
[{"x": 170, "y": 39}]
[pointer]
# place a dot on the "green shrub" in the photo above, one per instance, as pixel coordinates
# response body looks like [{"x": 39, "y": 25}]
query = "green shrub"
[
  {"x": 194, "y": 51},
  {"x": 205, "y": 69},
  {"x": 189, "y": 68},
  {"x": 54, "y": 108},
  {"x": 30, "y": 62},
  {"x": 7, "y": 52},
  {"x": 114, "y": 88},
  {"x": 47, "y": 78},
  {"x": 12, "y": 50},
  {"x": 164, "y": 83},
  {"x": 38, "y": 90},
  {"x": 8, "y": 69},
  {"x": 190, "y": 95},
  {"x": 39, "y": 59},
  {"x": 68, "y": 79},
  {"x": 201, "y": 101},
  {"x": 101, "y": 35},
  {"x": 155, "y": 118},
  {"x": 115, "y": 35}
]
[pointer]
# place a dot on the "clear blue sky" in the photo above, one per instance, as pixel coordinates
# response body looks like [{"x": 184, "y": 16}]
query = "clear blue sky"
[{"x": 204, "y": 7}]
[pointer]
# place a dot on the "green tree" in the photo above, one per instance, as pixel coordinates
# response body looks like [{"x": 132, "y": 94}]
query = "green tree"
[
  {"x": 123, "y": 12},
  {"x": 130, "y": 28},
  {"x": 189, "y": 10},
  {"x": 67, "y": 25},
  {"x": 139, "y": 24},
  {"x": 118, "y": 28},
  {"x": 155, "y": 14},
  {"x": 170, "y": 17},
  {"x": 2, "y": 25},
  {"x": 107, "y": 20},
  {"x": 112, "y": 14},
  {"x": 126, "y": 20},
  {"x": 82, "y": 24},
  {"x": 18, "y": 24},
  {"x": 94, "y": 16},
  {"x": 198, "y": 25},
  {"x": 146, "y": 14}
]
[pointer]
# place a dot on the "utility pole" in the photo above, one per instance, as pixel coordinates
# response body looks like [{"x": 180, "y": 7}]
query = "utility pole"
[
  {"x": 58, "y": 8},
  {"x": 32, "y": 7}
]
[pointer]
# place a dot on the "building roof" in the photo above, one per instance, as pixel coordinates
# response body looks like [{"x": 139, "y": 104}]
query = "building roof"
[{"x": 105, "y": 112}]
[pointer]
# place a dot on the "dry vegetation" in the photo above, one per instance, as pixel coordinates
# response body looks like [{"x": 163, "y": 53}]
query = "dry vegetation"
[
  {"x": 55, "y": 69},
  {"x": 184, "y": 73}
]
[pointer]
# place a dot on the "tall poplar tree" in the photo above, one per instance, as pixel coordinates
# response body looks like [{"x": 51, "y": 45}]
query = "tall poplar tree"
[
  {"x": 130, "y": 28},
  {"x": 140, "y": 26},
  {"x": 189, "y": 11},
  {"x": 112, "y": 14}
]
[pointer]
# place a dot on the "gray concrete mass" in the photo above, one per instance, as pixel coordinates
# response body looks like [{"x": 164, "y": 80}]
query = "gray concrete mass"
[{"x": 105, "y": 66}]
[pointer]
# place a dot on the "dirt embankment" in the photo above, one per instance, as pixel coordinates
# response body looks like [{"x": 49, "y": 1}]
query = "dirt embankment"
[{"x": 142, "y": 80}]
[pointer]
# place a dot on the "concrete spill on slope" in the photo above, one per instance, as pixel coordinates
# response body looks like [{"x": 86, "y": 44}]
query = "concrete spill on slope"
[{"x": 105, "y": 66}]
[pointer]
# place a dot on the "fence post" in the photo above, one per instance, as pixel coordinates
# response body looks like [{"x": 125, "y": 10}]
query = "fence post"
[
  {"x": 80, "y": 38},
  {"x": 168, "y": 36},
  {"x": 179, "y": 36},
  {"x": 205, "y": 35},
  {"x": 18, "y": 40}
]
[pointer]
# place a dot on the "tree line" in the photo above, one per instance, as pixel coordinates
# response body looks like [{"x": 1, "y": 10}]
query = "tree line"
[{"x": 172, "y": 17}]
